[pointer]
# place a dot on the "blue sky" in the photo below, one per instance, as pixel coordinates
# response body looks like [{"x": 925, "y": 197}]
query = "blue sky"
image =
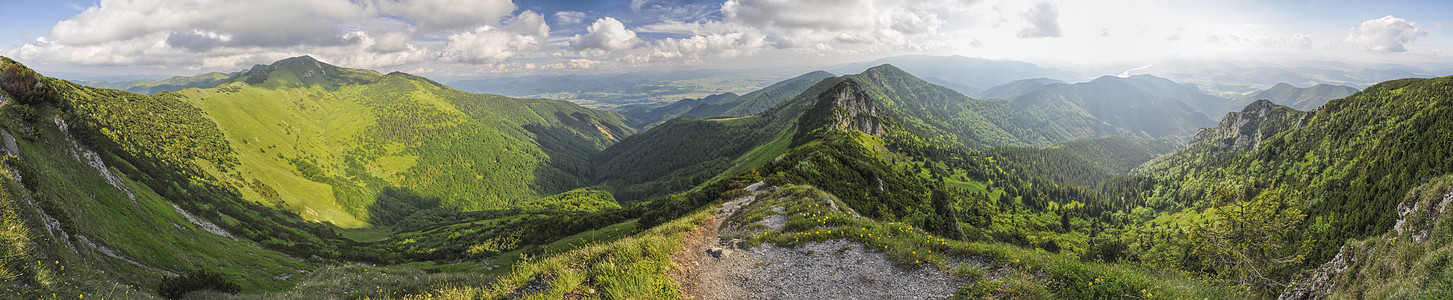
[{"x": 466, "y": 38}]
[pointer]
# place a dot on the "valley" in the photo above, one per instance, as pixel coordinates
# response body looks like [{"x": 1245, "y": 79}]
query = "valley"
[{"x": 302, "y": 179}]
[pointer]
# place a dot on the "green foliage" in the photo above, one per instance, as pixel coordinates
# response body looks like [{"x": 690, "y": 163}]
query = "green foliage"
[
  {"x": 812, "y": 216},
  {"x": 1350, "y": 160},
  {"x": 577, "y": 200},
  {"x": 1414, "y": 261},
  {"x": 176, "y": 287},
  {"x": 20, "y": 259},
  {"x": 1254, "y": 242}
]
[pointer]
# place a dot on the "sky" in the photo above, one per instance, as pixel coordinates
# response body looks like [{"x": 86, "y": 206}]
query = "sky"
[{"x": 462, "y": 38}]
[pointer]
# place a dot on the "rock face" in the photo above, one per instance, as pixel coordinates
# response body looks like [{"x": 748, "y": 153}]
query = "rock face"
[
  {"x": 1419, "y": 213},
  {"x": 852, "y": 109},
  {"x": 1244, "y": 130},
  {"x": 1320, "y": 283}
]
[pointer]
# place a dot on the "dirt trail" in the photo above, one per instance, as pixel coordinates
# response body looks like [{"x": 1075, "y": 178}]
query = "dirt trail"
[{"x": 711, "y": 267}]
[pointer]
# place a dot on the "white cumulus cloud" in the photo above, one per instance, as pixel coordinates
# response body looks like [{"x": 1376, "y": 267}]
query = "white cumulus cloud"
[
  {"x": 492, "y": 45},
  {"x": 440, "y": 15},
  {"x": 1385, "y": 34},
  {"x": 606, "y": 34}
]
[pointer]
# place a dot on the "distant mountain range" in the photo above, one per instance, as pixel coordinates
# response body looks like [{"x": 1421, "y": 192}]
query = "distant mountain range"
[
  {"x": 964, "y": 74},
  {"x": 1307, "y": 98},
  {"x": 175, "y": 83}
]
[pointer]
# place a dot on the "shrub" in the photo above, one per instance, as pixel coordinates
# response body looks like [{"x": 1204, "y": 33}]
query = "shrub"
[{"x": 175, "y": 287}]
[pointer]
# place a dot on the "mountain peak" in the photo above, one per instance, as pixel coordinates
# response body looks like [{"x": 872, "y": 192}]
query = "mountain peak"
[
  {"x": 884, "y": 69},
  {"x": 1259, "y": 105},
  {"x": 844, "y": 106},
  {"x": 303, "y": 71},
  {"x": 1246, "y": 129},
  {"x": 304, "y": 58}
]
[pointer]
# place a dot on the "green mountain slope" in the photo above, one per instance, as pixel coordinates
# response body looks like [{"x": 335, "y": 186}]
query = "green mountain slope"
[
  {"x": 326, "y": 142},
  {"x": 117, "y": 186},
  {"x": 1308, "y": 98},
  {"x": 729, "y": 104},
  {"x": 1341, "y": 168},
  {"x": 1410, "y": 261},
  {"x": 1237, "y": 133},
  {"x": 688, "y": 151},
  {"x": 768, "y": 97}
]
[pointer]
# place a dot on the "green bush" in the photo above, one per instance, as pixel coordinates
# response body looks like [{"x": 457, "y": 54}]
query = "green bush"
[{"x": 175, "y": 287}]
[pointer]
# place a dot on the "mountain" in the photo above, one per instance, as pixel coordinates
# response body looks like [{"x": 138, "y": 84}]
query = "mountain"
[
  {"x": 120, "y": 188},
  {"x": 688, "y": 151},
  {"x": 1308, "y": 98},
  {"x": 1016, "y": 88},
  {"x": 768, "y": 97},
  {"x": 1328, "y": 176},
  {"x": 966, "y": 72},
  {"x": 728, "y": 104},
  {"x": 318, "y": 138},
  {"x": 653, "y": 116},
  {"x": 150, "y": 86},
  {"x": 1237, "y": 133},
  {"x": 1231, "y": 79},
  {"x": 1211, "y": 106}
]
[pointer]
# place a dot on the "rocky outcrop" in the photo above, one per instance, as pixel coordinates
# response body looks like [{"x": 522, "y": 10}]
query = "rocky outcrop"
[
  {"x": 1321, "y": 282},
  {"x": 1246, "y": 129},
  {"x": 851, "y": 108},
  {"x": 1419, "y": 213}
]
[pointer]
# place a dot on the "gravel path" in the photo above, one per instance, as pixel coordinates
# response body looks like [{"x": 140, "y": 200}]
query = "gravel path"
[{"x": 713, "y": 268}]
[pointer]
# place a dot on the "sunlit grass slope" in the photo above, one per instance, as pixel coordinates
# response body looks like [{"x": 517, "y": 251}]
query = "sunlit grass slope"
[{"x": 334, "y": 144}]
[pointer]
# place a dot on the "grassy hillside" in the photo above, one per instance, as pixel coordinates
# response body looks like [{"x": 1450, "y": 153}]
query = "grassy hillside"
[
  {"x": 227, "y": 186},
  {"x": 92, "y": 208},
  {"x": 327, "y": 142}
]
